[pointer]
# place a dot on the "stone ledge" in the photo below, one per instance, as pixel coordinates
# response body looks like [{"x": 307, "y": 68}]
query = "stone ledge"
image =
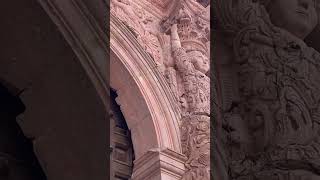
[{"x": 159, "y": 164}]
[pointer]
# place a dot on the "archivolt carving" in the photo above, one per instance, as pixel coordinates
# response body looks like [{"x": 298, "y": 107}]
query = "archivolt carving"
[
  {"x": 272, "y": 123},
  {"x": 143, "y": 26},
  {"x": 141, "y": 83},
  {"x": 179, "y": 44}
]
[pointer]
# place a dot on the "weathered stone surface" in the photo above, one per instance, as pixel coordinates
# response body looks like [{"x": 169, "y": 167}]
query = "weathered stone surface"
[
  {"x": 269, "y": 84},
  {"x": 177, "y": 40}
]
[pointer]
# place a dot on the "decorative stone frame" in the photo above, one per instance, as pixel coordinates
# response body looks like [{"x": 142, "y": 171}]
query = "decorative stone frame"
[
  {"x": 148, "y": 107},
  {"x": 143, "y": 94}
]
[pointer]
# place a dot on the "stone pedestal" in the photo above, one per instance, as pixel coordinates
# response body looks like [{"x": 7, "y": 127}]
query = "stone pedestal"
[{"x": 159, "y": 164}]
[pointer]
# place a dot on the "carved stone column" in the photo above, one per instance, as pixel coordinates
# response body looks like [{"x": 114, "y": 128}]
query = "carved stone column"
[
  {"x": 196, "y": 146},
  {"x": 189, "y": 29},
  {"x": 186, "y": 69}
]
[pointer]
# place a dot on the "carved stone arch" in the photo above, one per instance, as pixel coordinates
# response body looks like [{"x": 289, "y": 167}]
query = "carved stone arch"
[{"x": 147, "y": 105}]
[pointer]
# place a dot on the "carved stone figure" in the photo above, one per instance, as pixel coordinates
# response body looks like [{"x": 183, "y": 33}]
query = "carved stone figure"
[
  {"x": 195, "y": 127},
  {"x": 192, "y": 66},
  {"x": 269, "y": 89},
  {"x": 180, "y": 46},
  {"x": 189, "y": 38}
]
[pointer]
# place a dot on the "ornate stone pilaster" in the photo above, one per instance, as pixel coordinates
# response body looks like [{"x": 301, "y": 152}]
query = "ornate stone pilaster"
[
  {"x": 189, "y": 29},
  {"x": 179, "y": 42},
  {"x": 195, "y": 130}
]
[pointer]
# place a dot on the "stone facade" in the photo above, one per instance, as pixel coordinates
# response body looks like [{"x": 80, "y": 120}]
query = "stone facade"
[
  {"x": 265, "y": 88},
  {"x": 159, "y": 66},
  {"x": 268, "y": 90},
  {"x": 172, "y": 38}
]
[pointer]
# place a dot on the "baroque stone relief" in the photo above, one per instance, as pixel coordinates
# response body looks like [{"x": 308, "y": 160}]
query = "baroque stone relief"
[
  {"x": 189, "y": 66},
  {"x": 179, "y": 43},
  {"x": 269, "y": 84},
  {"x": 142, "y": 24}
]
